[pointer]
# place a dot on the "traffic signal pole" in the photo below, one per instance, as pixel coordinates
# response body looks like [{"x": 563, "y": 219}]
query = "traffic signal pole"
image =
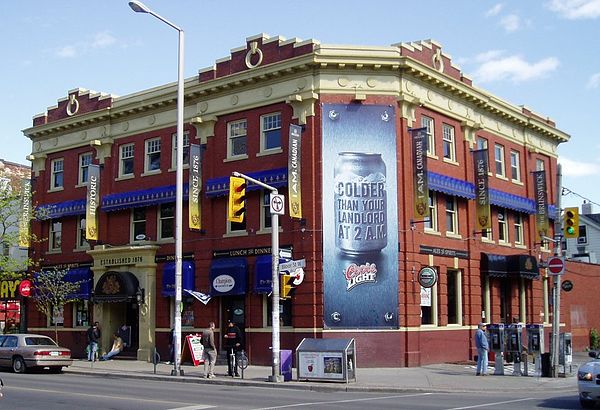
[
  {"x": 275, "y": 343},
  {"x": 556, "y": 289}
]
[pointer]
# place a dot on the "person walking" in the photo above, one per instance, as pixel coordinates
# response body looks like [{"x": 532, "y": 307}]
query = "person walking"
[
  {"x": 93, "y": 337},
  {"x": 233, "y": 342},
  {"x": 210, "y": 350},
  {"x": 481, "y": 343}
]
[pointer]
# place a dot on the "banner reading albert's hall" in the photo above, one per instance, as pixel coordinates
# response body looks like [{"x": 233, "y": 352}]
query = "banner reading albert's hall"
[{"x": 360, "y": 224}]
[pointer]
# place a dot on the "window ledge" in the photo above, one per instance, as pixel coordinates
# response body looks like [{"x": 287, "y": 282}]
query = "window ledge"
[
  {"x": 520, "y": 246},
  {"x": 430, "y": 326},
  {"x": 56, "y": 189},
  {"x": 272, "y": 151},
  {"x": 451, "y": 162},
  {"x": 453, "y": 235},
  {"x": 84, "y": 185},
  {"x": 263, "y": 231},
  {"x": 54, "y": 252},
  {"x": 432, "y": 156},
  {"x": 150, "y": 173},
  {"x": 236, "y": 158},
  {"x": 518, "y": 182},
  {"x": 125, "y": 177},
  {"x": 432, "y": 232},
  {"x": 165, "y": 240},
  {"x": 506, "y": 244},
  {"x": 82, "y": 249},
  {"x": 185, "y": 166},
  {"x": 235, "y": 234},
  {"x": 486, "y": 240},
  {"x": 502, "y": 177}
]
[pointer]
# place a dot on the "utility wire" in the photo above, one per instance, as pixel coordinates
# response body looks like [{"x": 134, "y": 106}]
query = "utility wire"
[{"x": 567, "y": 191}]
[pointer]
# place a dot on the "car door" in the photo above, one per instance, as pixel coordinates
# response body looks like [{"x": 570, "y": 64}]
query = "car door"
[{"x": 3, "y": 352}]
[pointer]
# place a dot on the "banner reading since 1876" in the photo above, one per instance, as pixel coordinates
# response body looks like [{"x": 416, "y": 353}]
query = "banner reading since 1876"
[
  {"x": 421, "y": 186},
  {"x": 294, "y": 172},
  {"x": 541, "y": 203},
  {"x": 25, "y": 213},
  {"x": 92, "y": 203},
  {"x": 195, "y": 184},
  {"x": 483, "y": 218}
]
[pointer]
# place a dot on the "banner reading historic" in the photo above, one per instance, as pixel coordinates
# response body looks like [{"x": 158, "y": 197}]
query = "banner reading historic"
[
  {"x": 92, "y": 203},
  {"x": 25, "y": 214},
  {"x": 483, "y": 218},
  {"x": 541, "y": 203},
  {"x": 195, "y": 186},
  {"x": 420, "y": 183},
  {"x": 294, "y": 172}
]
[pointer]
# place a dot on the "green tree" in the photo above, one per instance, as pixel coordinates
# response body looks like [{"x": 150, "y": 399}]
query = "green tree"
[{"x": 52, "y": 292}]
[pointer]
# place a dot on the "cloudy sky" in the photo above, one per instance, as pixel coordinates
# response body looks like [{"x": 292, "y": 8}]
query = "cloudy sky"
[{"x": 543, "y": 54}]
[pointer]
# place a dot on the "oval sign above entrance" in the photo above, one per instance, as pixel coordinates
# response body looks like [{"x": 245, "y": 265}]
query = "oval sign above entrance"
[
  {"x": 223, "y": 283},
  {"x": 427, "y": 277}
]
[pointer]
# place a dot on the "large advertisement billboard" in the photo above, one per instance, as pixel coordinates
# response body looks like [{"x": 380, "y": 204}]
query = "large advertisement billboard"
[{"x": 360, "y": 224}]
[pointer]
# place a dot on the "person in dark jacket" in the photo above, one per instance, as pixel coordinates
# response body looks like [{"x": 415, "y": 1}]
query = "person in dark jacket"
[
  {"x": 93, "y": 337},
  {"x": 233, "y": 343}
]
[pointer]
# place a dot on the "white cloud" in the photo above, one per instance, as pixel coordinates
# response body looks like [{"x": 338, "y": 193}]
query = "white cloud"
[
  {"x": 514, "y": 68},
  {"x": 67, "y": 52},
  {"x": 510, "y": 23},
  {"x": 594, "y": 81},
  {"x": 494, "y": 10},
  {"x": 576, "y": 9},
  {"x": 488, "y": 55},
  {"x": 578, "y": 168},
  {"x": 100, "y": 40},
  {"x": 103, "y": 39}
]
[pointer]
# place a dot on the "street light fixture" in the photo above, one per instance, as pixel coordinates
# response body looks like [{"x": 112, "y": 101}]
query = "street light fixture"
[{"x": 140, "y": 7}]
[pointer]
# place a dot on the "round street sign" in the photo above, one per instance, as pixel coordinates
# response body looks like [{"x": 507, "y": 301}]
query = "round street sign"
[
  {"x": 567, "y": 285},
  {"x": 427, "y": 277},
  {"x": 556, "y": 265}
]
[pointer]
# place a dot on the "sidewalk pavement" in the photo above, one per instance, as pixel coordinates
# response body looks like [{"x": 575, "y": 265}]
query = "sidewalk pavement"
[{"x": 430, "y": 378}]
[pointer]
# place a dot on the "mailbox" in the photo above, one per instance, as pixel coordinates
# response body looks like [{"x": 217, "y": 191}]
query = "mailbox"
[
  {"x": 513, "y": 338},
  {"x": 535, "y": 338},
  {"x": 496, "y": 337}
]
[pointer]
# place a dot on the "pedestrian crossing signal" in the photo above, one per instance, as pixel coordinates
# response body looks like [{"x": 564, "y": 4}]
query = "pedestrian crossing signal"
[
  {"x": 571, "y": 222},
  {"x": 237, "y": 199}
]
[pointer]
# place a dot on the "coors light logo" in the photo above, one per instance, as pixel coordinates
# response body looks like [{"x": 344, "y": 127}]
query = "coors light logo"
[{"x": 358, "y": 274}]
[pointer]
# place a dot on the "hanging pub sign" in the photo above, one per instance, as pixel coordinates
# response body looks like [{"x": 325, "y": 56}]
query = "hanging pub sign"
[
  {"x": 195, "y": 188},
  {"x": 420, "y": 183},
  {"x": 92, "y": 203},
  {"x": 295, "y": 172},
  {"x": 428, "y": 277}
]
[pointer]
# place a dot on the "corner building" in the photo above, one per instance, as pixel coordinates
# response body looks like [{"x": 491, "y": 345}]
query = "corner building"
[{"x": 356, "y": 225}]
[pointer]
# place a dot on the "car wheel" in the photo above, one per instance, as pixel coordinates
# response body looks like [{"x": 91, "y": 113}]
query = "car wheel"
[
  {"x": 587, "y": 404},
  {"x": 56, "y": 369},
  {"x": 18, "y": 365}
]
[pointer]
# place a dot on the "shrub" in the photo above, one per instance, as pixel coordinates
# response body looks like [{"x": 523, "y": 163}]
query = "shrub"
[{"x": 594, "y": 339}]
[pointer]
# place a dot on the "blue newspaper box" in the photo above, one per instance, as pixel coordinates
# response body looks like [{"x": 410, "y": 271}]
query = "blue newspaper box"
[{"x": 285, "y": 362}]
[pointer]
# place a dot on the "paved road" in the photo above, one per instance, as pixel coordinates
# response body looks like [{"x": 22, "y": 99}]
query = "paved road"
[{"x": 71, "y": 391}]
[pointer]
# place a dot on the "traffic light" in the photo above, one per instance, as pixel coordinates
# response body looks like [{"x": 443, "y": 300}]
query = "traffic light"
[
  {"x": 285, "y": 286},
  {"x": 571, "y": 222},
  {"x": 237, "y": 199}
]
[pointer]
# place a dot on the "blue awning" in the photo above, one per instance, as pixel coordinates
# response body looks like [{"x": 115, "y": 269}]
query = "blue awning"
[
  {"x": 144, "y": 197},
  {"x": 60, "y": 209},
  {"x": 511, "y": 201},
  {"x": 86, "y": 277},
  {"x": 228, "y": 277},
  {"x": 263, "y": 274},
  {"x": 450, "y": 186},
  {"x": 274, "y": 177},
  {"x": 188, "y": 276}
]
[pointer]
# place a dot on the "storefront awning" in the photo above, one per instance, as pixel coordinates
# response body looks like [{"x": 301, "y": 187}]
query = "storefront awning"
[
  {"x": 116, "y": 287},
  {"x": 274, "y": 177},
  {"x": 60, "y": 209},
  {"x": 228, "y": 277},
  {"x": 86, "y": 279},
  {"x": 511, "y": 201},
  {"x": 144, "y": 197},
  {"x": 188, "y": 270},
  {"x": 451, "y": 186},
  {"x": 505, "y": 266},
  {"x": 263, "y": 273}
]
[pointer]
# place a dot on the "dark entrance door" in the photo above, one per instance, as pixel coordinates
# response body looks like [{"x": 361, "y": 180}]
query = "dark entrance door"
[
  {"x": 132, "y": 316},
  {"x": 234, "y": 310},
  {"x": 506, "y": 300}
]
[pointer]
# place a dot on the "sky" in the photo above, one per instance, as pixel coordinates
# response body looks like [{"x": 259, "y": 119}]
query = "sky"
[{"x": 544, "y": 54}]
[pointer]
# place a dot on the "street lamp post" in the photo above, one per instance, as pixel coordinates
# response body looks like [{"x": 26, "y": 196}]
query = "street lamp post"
[{"x": 139, "y": 7}]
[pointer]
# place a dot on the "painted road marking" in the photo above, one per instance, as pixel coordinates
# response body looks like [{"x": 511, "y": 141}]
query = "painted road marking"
[
  {"x": 492, "y": 404},
  {"x": 316, "y": 403}
]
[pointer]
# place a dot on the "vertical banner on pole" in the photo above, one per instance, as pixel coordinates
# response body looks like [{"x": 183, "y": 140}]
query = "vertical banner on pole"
[
  {"x": 541, "y": 203},
  {"x": 294, "y": 172},
  {"x": 195, "y": 184},
  {"x": 420, "y": 183},
  {"x": 92, "y": 203},
  {"x": 483, "y": 218},
  {"x": 25, "y": 214}
]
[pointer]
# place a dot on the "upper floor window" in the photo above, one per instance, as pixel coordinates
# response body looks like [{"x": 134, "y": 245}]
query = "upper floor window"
[
  {"x": 84, "y": 162},
  {"x": 515, "y": 166},
  {"x": 265, "y": 221},
  {"x": 57, "y": 181},
  {"x": 166, "y": 224},
  {"x": 81, "y": 240},
  {"x": 482, "y": 143},
  {"x": 270, "y": 131},
  {"x": 428, "y": 123},
  {"x": 519, "y": 229},
  {"x": 152, "y": 155},
  {"x": 126, "y": 160},
  {"x": 499, "y": 158},
  {"x": 451, "y": 216},
  {"x": 449, "y": 147},
  {"x": 236, "y": 138},
  {"x": 186, "y": 150},
  {"x": 138, "y": 224},
  {"x": 55, "y": 235},
  {"x": 431, "y": 224},
  {"x": 539, "y": 165},
  {"x": 502, "y": 226}
]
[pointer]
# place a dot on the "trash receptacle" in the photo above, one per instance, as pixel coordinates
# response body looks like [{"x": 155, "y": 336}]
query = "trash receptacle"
[
  {"x": 285, "y": 362},
  {"x": 545, "y": 364}
]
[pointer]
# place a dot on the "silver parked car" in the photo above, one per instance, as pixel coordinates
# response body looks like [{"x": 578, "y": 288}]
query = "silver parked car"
[
  {"x": 24, "y": 351},
  {"x": 588, "y": 381}
]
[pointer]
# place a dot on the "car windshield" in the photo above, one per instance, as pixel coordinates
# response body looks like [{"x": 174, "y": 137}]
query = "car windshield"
[{"x": 39, "y": 341}]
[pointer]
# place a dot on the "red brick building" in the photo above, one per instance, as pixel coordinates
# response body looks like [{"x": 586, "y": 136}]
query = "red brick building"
[{"x": 240, "y": 112}]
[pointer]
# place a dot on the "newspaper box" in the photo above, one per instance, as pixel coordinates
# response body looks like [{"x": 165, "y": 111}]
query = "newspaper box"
[{"x": 326, "y": 359}]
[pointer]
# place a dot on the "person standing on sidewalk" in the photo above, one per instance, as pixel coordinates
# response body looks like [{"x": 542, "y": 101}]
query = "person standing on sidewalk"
[
  {"x": 233, "y": 342},
  {"x": 93, "y": 337},
  {"x": 481, "y": 343},
  {"x": 210, "y": 350}
]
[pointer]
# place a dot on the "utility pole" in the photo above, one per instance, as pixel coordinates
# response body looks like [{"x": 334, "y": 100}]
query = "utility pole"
[{"x": 556, "y": 289}]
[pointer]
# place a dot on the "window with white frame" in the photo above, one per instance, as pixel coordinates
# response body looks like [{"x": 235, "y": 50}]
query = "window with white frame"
[
  {"x": 81, "y": 313},
  {"x": 84, "y": 162},
  {"x": 539, "y": 165},
  {"x": 431, "y": 224},
  {"x": 482, "y": 143},
  {"x": 454, "y": 294},
  {"x": 55, "y": 235},
  {"x": 57, "y": 176},
  {"x": 451, "y": 215},
  {"x": 518, "y": 224},
  {"x": 270, "y": 131},
  {"x": 126, "y": 160},
  {"x": 429, "y": 309},
  {"x": 236, "y": 138},
  {"x": 428, "y": 123},
  {"x": 152, "y": 162},
  {"x": 58, "y": 316},
  {"x": 265, "y": 220},
  {"x": 502, "y": 225},
  {"x": 449, "y": 147},
  {"x": 166, "y": 224},
  {"x": 499, "y": 159},
  {"x": 81, "y": 241},
  {"x": 138, "y": 224},
  {"x": 186, "y": 150},
  {"x": 515, "y": 166}
]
